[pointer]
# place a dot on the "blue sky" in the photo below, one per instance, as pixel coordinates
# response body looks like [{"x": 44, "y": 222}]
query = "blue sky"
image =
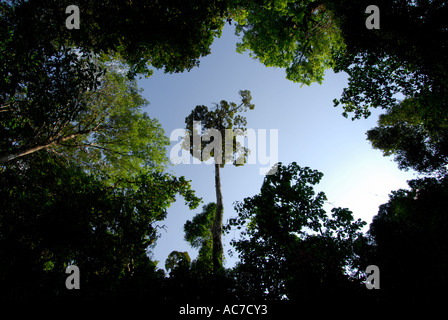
[{"x": 311, "y": 132}]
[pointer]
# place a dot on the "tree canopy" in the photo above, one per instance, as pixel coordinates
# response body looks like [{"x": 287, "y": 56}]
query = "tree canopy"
[
  {"x": 70, "y": 100},
  {"x": 172, "y": 35},
  {"x": 83, "y": 170},
  {"x": 405, "y": 56},
  {"x": 301, "y": 36},
  {"x": 224, "y": 123},
  {"x": 104, "y": 129}
]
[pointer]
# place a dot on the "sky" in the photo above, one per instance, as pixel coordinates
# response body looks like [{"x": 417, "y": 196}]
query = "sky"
[{"x": 311, "y": 132}]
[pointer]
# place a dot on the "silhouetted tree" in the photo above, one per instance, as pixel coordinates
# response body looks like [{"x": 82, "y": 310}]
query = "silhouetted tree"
[
  {"x": 55, "y": 214},
  {"x": 405, "y": 56},
  {"x": 172, "y": 35},
  {"x": 411, "y": 243},
  {"x": 416, "y": 142},
  {"x": 290, "y": 248},
  {"x": 177, "y": 261}
]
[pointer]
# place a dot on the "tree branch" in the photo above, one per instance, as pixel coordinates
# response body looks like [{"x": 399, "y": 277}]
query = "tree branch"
[{"x": 52, "y": 142}]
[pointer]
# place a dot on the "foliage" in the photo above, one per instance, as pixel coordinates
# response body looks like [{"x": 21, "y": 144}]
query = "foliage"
[
  {"x": 417, "y": 143},
  {"x": 165, "y": 34},
  {"x": 55, "y": 214},
  {"x": 41, "y": 94},
  {"x": 300, "y": 36},
  {"x": 290, "y": 246},
  {"x": 177, "y": 261},
  {"x": 198, "y": 232},
  {"x": 409, "y": 234},
  {"x": 309, "y": 37},
  {"x": 123, "y": 139},
  {"x": 223, "y": 116},
  {"x": 73, "y": 103},
  {"x": 103, "y": 129},
  {"x": 405, "y": 56}
]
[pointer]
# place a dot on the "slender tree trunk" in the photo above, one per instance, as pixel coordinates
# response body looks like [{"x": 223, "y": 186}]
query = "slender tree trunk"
[{"x": 217, "y": 225}]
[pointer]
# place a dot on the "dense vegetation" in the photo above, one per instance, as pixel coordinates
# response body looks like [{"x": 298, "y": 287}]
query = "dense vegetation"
[{"x": 83, "y": 170}]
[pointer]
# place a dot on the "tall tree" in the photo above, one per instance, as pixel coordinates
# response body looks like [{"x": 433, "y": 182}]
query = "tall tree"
[
  {"x": 289, "y": 245},
  {"x": 222, "y": 121}
]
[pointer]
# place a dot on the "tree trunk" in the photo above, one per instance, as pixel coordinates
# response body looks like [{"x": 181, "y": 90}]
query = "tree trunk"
[
  {"x": 29, "y": 150},
  {"x": 12, "y": 156},
  {"x": 24, "y": 152},
  {"x": 217, "y": 225}
]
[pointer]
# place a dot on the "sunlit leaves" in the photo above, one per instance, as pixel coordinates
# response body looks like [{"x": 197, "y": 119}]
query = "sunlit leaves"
[
  {"x": 300, "y": 36},
  {"x": 125, "y": 139}
]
